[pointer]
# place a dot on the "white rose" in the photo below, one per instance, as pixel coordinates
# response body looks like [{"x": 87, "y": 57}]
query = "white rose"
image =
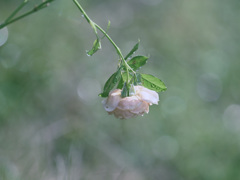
[{"x": 131, "y": 106}]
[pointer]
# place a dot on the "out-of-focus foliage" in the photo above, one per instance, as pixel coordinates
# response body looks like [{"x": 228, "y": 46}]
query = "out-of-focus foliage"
[{"x": 52, "y": 123}]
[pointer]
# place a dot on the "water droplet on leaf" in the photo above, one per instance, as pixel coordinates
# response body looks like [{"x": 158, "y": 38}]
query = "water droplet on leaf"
[
  {"x": 153, "y": 85},
  {"x": 87, "y": 52}
]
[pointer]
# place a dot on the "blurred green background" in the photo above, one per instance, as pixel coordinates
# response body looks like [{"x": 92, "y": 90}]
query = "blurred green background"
[{"x": 53, "y": 125}]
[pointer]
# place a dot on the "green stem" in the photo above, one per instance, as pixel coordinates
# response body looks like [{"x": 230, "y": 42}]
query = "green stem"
[
  {"x": 82, "y": 11},
  {"x": 118, "y": 51},
  {"x": 9, "y": 20},
  {"x": 17, "y": 10},
  {"x": 94, "y": 25}
]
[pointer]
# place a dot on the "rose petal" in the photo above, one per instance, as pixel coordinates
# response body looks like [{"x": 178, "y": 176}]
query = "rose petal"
[
  {"x": 123, "y": 114},
  {"x": 129, "y": 103},
  {"x": 112, "y": 101},
  {"x": 147, "y": 94},
  {"x": 141, "y": 109},
  {"x": 131, "y": 106}
]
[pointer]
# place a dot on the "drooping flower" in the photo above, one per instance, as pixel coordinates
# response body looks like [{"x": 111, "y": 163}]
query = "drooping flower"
[{"x": 130, "y": 106}]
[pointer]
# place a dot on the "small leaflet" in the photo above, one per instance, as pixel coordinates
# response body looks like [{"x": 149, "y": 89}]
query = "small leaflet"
[
  {"x": 95, "y": 48},
  {"x": 134, "y": 49},
  {"x": 138, "y": 61},
  {"x": 152, "y": 82}
]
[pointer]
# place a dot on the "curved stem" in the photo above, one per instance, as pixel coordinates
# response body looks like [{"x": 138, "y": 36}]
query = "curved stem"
[
  {"x": 96, "y": 26},
  {"x": 82, "y": 11},
  {"x": 9, "y": 20},
  {"x": 118, "y": 52}
]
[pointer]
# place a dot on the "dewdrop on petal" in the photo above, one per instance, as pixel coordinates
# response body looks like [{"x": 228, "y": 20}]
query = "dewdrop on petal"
[{"x": 131, "y": 106}]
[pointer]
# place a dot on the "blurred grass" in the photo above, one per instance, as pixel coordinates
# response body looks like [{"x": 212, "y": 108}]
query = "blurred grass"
[{"x": 52, "y": 123}]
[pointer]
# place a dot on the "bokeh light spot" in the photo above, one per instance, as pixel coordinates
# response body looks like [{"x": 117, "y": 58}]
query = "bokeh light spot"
[
  {"x": 231, "y": 117},
  {"x": 3, "y": 102},
  {"x": 151, "y": 2},
  {"x": 209, "y": 87},
  {"x": 88, "y": 89},
  {"x": 165, "y": 148},
  {"x": 3, "y": 35},
  {"x": 9, "y": 55},
  {"x": 173, "y": 105}
]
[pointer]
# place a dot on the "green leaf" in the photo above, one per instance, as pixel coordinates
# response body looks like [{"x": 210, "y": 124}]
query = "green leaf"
[
  {"x": 138, "y": 79},
  {"x": 136, "y": 62},
  {"x": 95, "y": 48},
  {"x": 134, "y": 49},
  {"x": 111, "y": 82},
  {"x": 123, "y": 79},
  {"x": 108, "y": 26},
  {"x": 125, "y": 91},
  {"x": 124, "y": 76},
  {"x": 152, "y": 82},
  {"x": 120, "y": 84}
]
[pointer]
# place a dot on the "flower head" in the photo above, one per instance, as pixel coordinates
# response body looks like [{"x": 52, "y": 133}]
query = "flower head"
[{"x": 130, "y": 106}]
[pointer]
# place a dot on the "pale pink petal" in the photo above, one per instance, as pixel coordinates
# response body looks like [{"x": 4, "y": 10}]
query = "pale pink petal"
[
  {"x": 123, "y": 114},
  {"x": 132, "y": 106},
  {"x": 129, "y": 103},
  {"x": 147, "y": 94},
  {"x": 112, "y": 101},
  {"x": 141, "y": 109}
]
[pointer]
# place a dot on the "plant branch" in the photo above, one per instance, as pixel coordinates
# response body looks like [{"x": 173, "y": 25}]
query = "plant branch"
[
  {"x": 10, "y": 19},
  {"x": 95, "y": 27},
  {"x": 118, "y": 51},
  {"x": 17, "y": 10},
  {"x": 82, "y": 11}
]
